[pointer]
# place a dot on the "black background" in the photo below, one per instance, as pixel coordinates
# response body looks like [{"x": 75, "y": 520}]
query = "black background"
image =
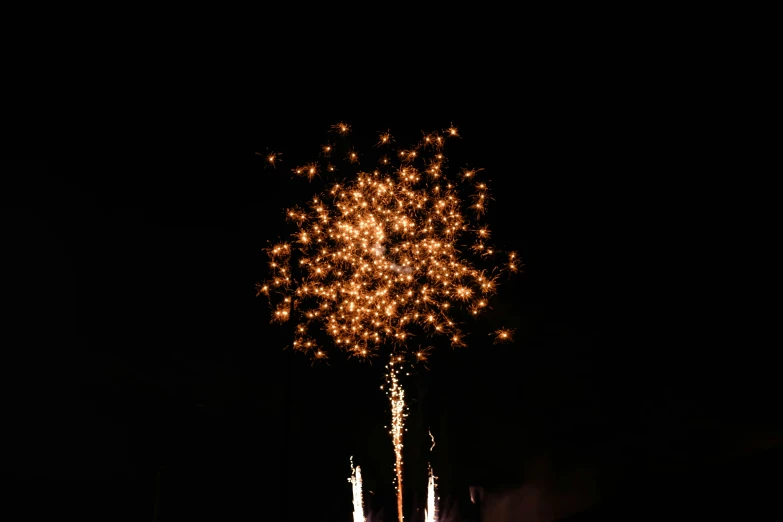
[{"x": 141, "y": 366}]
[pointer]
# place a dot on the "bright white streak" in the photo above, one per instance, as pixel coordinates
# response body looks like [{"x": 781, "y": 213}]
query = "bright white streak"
[
  {"x": 356, "y": 485},
  {"x": 430, "y": 513}
]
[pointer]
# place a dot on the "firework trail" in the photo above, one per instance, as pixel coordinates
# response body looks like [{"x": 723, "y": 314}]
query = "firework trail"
[
  {"x": 430, "y": 513},
  {"x": 356, "y": 485},
  {"x": 390, "y": 251},
  {"x": 397, "y": 400}
]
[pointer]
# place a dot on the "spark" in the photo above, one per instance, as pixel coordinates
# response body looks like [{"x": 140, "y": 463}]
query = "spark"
[
  {"x": 512, "y": 262},
  {"x": 469, "y": 173},
  {"x": 422, "y": 354},
  {"x": 342, "y": 128},
  {"x": 319, "y": 355},
  {"x": 504, "y": 335},
  {"x": 378, "y": 258},
  {"x": 272, "y": 158},
  {"x": 456, "y": 340},
  {"x": 356, "y": 486},
  {"x": 384, "y": 138},
  {"x": 309, "y": 171}
]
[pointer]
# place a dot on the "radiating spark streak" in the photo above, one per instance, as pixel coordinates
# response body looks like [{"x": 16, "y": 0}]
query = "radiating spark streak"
[
  {"x": 376, "y": 257},
  {"x": 504, "y": 335},
  {"x": 431, "y": 512},
  {"x": 356, "y": 485},
  {"x": 397, "y": 398},
  {"x": 433, "y": 439},
  {"x": 342, "y": 128},
  {"x": 272, "y": 158}
]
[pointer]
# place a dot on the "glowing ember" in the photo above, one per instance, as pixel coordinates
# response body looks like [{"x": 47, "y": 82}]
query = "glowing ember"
[
  {"x": 504, "y": 335},
  {"x": 356, "y": 485}
]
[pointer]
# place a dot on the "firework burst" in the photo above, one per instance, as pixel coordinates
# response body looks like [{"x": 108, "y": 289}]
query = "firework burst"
[{"x": 387, "y": 253}]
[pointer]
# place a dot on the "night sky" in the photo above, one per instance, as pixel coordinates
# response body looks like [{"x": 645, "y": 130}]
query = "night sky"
[{"x": 141, "y": 366}]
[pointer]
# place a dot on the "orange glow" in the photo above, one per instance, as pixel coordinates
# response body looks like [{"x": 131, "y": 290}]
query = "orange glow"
[
  {"x": 272, "y": 158},
  {"x": 342, "y": 128},
  {"x": 388, "y": 254},
  {"x": 504, "y": 335},
  {"x": 385, "y": 138}
]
